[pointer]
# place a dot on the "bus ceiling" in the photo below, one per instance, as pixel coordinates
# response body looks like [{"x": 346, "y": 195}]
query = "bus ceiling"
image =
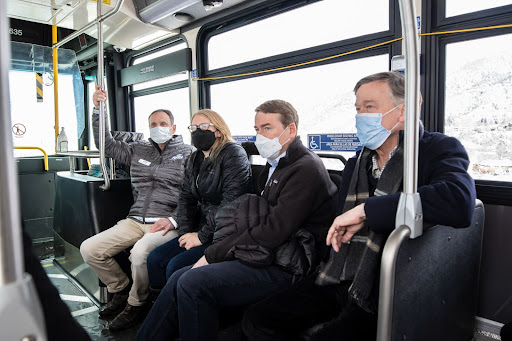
[{"x": 137, "y": 23}]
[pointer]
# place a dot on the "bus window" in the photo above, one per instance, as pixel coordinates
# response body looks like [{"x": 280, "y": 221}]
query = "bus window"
[
  {"x": 478, "y": 101},
  {"x": 177, "y": 101},
  {"x": 322, "y": 95},
  {"x": 305, "y": 27},
  {"x": 458, "y": 7},
  {"x": 33, "y": 112},
  {"x": 33, "y": 120}
]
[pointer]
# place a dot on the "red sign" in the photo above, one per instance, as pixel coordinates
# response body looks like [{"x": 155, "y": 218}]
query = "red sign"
[{"x": 19, "y": 129}]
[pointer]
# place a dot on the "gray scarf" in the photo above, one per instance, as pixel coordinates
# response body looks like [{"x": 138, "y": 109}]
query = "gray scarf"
[{"x": 359, "y": 261}]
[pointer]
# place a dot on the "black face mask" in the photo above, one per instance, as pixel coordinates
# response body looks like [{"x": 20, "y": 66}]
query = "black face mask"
[{"x": 203, "y": 139}]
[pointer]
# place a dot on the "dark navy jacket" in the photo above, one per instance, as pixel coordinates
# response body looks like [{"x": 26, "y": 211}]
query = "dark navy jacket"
[{"x": 447, "y": 191}]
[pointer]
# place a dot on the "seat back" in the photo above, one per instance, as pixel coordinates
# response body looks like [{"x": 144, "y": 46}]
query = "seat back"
[
  {"x": 83, "y": 209},
  {"x": 256, "y": 169},
  {"x": 436, "y": 283}
]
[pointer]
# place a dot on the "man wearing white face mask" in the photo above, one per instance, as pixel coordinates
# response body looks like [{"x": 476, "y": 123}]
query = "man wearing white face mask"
[
  {"x": 261, "y": 243},
  {"x": 157, "y": 171},
  {"x": 340, "y": 302}
]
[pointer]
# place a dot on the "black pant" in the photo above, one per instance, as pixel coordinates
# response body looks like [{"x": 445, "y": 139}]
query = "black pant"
[
  {"x": 310, "y": 312},
  {"x": 60, "y": 325},
  {"x": 506, "y": 332}
]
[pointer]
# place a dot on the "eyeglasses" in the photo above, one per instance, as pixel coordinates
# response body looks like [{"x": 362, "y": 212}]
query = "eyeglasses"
[{"x": 202, "y": 126}]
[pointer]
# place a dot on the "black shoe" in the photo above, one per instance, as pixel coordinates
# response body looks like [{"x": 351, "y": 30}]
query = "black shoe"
[
  {"x": 115, "y": 305},
  {"x": 129, "y": 317}
]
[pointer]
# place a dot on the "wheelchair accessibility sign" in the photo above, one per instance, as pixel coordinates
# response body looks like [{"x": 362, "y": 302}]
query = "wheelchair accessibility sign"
[{"x": 334, "y": 142}]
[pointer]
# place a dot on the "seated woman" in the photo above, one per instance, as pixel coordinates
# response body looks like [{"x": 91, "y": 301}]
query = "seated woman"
[{"x": 217, "y": 173}]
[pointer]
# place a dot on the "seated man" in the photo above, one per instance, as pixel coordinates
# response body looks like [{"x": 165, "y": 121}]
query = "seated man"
[
  {"x": 344, "y": 295},
  {"x": 297, "y": 198},
  {"x": 157, "y": 170}
]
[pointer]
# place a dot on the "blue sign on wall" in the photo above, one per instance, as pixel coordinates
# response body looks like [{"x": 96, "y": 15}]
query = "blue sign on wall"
[
  {"x": 334, "y": 142},
  {"x": 244, "y": 138}
]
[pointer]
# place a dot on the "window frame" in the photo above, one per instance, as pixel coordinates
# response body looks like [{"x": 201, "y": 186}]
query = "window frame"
[
  {"x": 262, "y": 12},
  {"x": 132, "y": 94}
]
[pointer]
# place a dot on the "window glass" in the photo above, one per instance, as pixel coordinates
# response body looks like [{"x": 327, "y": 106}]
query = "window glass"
[
  {"x": 458, "y": 7},
  {"x": 478, "y": 101},
  {"x": 322, "y": 95},
  {"x": 32, "y": 120},
  {"x": 163, "y": 80},
  {"x": 319, "y": 23},
  {"x": 177, "y": 101}
]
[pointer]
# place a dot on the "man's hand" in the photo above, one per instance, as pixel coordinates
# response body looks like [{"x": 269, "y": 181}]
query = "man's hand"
[
  {"x": 189, "y": 240},
  {"x": 201, "y": 262},
  {"x": 99, "y": 96},
  {"x": 162, "y": 224},
  {"x": 345, "y": 226}
]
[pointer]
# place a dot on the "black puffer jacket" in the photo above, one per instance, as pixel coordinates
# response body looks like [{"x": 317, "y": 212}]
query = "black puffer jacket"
[
  {"x": 209, "y": 185},
  {"x": 300, "y": 195},
  {"x": 297, "y": 255}
]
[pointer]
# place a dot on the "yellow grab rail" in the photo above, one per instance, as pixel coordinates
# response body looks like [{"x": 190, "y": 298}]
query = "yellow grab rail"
[{"x": 42, "y": 150}]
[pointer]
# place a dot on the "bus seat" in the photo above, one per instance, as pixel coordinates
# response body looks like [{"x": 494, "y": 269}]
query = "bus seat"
[
  {"x": 436, "y": 283},
  {"x": 256, "y": 169},
  {"x": 83, "y": 209},
  {"x": 335, "y": 174}
]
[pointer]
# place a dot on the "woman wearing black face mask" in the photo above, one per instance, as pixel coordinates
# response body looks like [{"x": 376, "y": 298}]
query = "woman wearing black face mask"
[{"x": 217, "y": 173}]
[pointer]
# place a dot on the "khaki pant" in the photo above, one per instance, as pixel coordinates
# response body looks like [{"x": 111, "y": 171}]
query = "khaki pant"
[{"x": 98, "y": 251}]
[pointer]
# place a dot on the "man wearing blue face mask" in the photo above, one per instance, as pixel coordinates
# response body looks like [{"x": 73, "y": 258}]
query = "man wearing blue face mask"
[
  {"x": 157, "y": 170},
  {"x": 340, "y": 301}
]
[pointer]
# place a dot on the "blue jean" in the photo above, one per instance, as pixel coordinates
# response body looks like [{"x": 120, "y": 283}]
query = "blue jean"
[
  {"x": 190, "y": 301},
  {"x": 169, "y": 257}
]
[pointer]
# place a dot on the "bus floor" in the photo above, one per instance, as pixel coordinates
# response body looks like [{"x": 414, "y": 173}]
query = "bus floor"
[
  {"x": 86, "y": 313},
  {"x": 83, "y": 309}
]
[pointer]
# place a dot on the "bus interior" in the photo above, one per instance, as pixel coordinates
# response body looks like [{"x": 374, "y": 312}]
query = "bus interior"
[{"x": 231, "y": 55}]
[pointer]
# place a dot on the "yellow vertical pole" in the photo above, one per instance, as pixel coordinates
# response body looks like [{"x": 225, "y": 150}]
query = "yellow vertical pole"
[{"x": 56, "y": 83}]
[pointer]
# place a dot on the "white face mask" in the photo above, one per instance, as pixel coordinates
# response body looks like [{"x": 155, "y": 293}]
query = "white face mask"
[
  {"x": 160, "y": 134},
  {"x": 269, "y": 148}
]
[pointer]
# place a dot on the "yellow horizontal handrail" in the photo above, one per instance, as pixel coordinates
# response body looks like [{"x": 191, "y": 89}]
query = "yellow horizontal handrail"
[{"x": 42, "y": 150}]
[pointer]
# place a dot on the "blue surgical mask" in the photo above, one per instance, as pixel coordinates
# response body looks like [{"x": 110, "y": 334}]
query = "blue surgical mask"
[
  {"x": 370, "y": 131},
  {"x": 160, "y": 134}
]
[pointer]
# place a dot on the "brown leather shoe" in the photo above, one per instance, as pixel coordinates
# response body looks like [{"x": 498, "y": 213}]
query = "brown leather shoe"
[
  {"x": 129, "y": 317},
  {"x": 114, "y": 306}
]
